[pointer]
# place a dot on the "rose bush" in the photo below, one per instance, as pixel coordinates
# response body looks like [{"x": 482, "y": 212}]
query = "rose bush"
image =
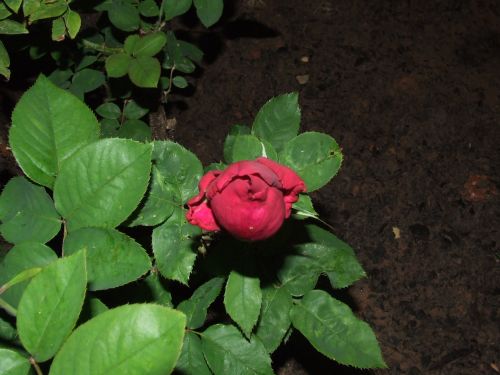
[{"x": 249, "y": 199}]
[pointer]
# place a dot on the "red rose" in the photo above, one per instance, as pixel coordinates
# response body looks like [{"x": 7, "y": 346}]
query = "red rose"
[{"x": 249, "y": 199}]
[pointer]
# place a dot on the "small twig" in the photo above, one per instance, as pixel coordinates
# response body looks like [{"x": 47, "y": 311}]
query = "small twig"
[
  {"x": 7, "y": 307},
  {"x": 101, "y": 47},
  {"x": 37, "y": 368},
  {"x": 165, "y": 93}
]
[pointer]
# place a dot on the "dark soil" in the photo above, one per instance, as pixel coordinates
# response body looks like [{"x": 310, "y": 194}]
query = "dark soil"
[{"x": 411, "y": 91}]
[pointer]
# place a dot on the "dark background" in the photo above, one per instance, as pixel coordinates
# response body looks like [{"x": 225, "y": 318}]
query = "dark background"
[{"x": 411, "y": 92}]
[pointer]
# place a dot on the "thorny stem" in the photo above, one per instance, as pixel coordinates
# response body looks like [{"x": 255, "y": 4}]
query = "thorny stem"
[{"x": 37, "y": 368}]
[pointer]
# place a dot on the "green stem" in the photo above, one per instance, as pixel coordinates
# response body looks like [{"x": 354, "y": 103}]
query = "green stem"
[
  {"x": 37, "y": 368},
  {"x": 7, "y": 307},
  {"x": 160, "y": 16},
  {"x": 101, "y": 47}
]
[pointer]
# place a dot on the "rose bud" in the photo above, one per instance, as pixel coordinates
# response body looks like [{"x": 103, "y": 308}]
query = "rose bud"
[{"x": 249, "y": 199}]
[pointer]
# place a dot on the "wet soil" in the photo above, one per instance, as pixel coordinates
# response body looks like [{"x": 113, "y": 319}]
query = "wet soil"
[{"x": 411, "y": 91}]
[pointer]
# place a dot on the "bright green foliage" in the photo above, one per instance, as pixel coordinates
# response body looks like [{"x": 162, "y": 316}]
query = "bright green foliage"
[
  {"x": 149, "y": 45},
  {"x": 4, "y": 61},
  {"x": 192, "y": 361},
  {"x": 244, "y": 147},
  {"x": 174, "y": 8},
  {"x": 242, "y": 300},
  {"x": 13, "y": 4},
  {"x": 278, "y": 120},
  {"x": 131, "y": 339},
  {"x": 228, "y": 352},
  {"x": 22, "y": 257},
  {"x": 196, "y": 307},
  {"x": 208, "y": 11},
  {"x": 113, "y": 258},
  {"x": 180, "y": 167},
  {"x": 316, "y": 157},
  {"x": 58, "y": 29},
  {"x": 333, "y": 330},
  {"x": 274, "y": 316},
  {"x": 304, "y": 208},
  {"x": 47, "y": 314},
  {"x": 174, "y": 247},
  {"x": 13, "y": 363},
  {"x": 73, "y": 23},
  {"x": 159, "y": 203},
  {"x": 12, "y": 27},
  {"x": 48, "y": 126},
  {"x": 123, "y": 15},
  {"x": 117, "y": 64},
  {"x": 103, "y": 183},
  {"x": 144, "y": 71},
  {"x": 27, "y": 212}
]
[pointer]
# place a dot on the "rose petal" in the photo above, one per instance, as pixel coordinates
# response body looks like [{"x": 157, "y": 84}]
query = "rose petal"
[
  {"x": 292, "y": 184},
  {"x": 243, "y": 168},
  {"x": 257, "y": 217},
  {"x": 201, "y": 214}
]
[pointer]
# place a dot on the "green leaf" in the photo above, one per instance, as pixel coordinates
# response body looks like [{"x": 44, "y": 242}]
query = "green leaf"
[
  {"x": 4, "y": 11},
  {"x": 58, "y": 29},
  {"x": 192, "y": 361},
  {"x": 196, "y": 307},
  {"x": 48, "y": 126},
  {"x": 51, "y": 9},
  {"x": 10, "y": 27},
  {"x": 303, "y": 208},
  {"x": 27, "y": 212},
  {"x": 124, "y": 16},
  {"x": 13, "y": 363},
  {"x": 244, "y": 147},
  {"x": 20, "y": 277},
  {"x": 235, "y": 131},
  {"x": 117, "y": 65},
  {"x": 134, "y": 111},
  {"x": 25, "y": 256},
  {"x": 180, "y": 167},
  {"x": 158, "y": 290},
  {"x": 85, "y": 62},
  {"x": 87, "y": 80},
  {"x": 144, "y": 71},
  {"x": 60, "y": 77},
  {"x": 113, "y": 258},
  {"x": 73, "y": 23},
  {"x": 190, "y": 51},
  {"x": 278, "y": 120},
  {"x": 135, "y": 129},
  {"x": 92, "y": 307},
  {"x": 174, "y": 8},
  {"x": 131, "y": 339},
  {"x": 174, "y": 247},
  {"x": 298, "y": 274},
  {"x": 103, "y": 183},
  {"x": 13, "y": 4},
  {"x": 4, "y": 61},
  {"x": 227, "y": 352},
  {"x": 209, "y": 11},
  {"x": 130, "y": 43},
  {"x": 159, "y": 203},
  {"x": 150, "y": 44},
  {"x": 29, "y": 6},
  {"x": 50, "y": 306},
  {"x": 109, "y": 111},
  {"x": 332, "y": 328},
  {"x": 149, "y": 8},
  {"x": 242, "y": 299},
  {"x": 337, "y": 258},
  {"x": 7, "y": 332},
  {"x": 316, "y": 157},
  {"x": 174, "y": 57},
  {"x": 274, "y": 319},
  {"x": 180, "y": 82},
  {"x": 109, "y": 128}
]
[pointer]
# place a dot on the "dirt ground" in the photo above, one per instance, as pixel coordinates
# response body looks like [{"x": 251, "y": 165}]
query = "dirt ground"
[{"x": 411, "y": 91}]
